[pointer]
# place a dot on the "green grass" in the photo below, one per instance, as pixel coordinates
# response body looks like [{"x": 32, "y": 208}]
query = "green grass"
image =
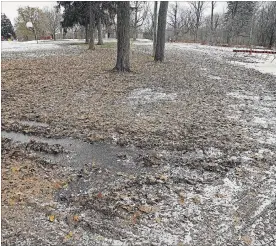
[
  {"x": 77, "y": 44},
  {"x": 107, "y": 45}
]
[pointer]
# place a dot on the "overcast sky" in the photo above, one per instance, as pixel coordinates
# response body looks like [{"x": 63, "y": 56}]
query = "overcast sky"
[{"x": 10, "y": 8}]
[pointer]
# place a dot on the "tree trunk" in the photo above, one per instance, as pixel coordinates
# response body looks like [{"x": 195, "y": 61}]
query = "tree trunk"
[
  {"x": 100, "y": 33},
  {"x": 212, "y": 22},
  {"x": 135, "y": 22},
  {"x": 175, "y": 23},
  {"x": 86, "y": 33},
  {"x": 154, "y": 27},
  {"x": 271, "y": 40},
  {"x": 123, "y": 33},
  {"x": 161, "y": 32},
  {"x": 64, "y": 33},
  {"x": 91, "y": 27}
]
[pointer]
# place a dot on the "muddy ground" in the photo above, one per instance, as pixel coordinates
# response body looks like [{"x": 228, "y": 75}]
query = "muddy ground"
[{"x": 178, "y": 153}]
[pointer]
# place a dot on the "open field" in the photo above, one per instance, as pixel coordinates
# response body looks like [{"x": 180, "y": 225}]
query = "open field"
[{"x": 175, "y": 153}]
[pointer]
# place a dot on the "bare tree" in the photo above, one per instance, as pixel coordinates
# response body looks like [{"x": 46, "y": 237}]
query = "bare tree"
[
  {"x": 173, "y": 21},
  {"x": 266, "y": 24},
  {"x": 91, "y": 26},
  {"x": 123, "y": 37},
  {"x": 213, "y": 5},
  {"x": 179, "y": 20},
  {"x": 99, "y": 21},
  {"x": 238, "y": 19},
  {"x": 154, "y": 27},
  {"x": 86, "y": 33},
  {"x": 53, "y": 20},
  {"x": 197, "y": 9},
  {"x": 140, "y": 12},
  {"x": 161, "y": 31},
  {"x": 34, "y": 15}
]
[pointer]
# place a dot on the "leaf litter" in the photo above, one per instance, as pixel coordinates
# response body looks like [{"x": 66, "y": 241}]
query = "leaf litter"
[{"x": 195, "y": 161}]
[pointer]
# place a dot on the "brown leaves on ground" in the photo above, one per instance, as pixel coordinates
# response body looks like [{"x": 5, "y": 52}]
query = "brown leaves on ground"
[
  {"x": 247, "y": 240},
  {"x": 24, "y": 181},
  {"x": 26, "y": 186},
  {"x": 146, "y": 209}
]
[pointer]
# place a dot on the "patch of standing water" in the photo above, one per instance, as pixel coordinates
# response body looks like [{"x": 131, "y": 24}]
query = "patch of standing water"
[
  {"x": 147, "y": 95},
  {"x": 79, "y": 153}
]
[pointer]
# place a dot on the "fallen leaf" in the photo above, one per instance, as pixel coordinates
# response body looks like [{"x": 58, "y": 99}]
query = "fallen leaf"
[
  {"x": 11, "y": 202},
  {"x": 135, "y": 217},
  {"x": 163, "y": 177},
  {"x": 145, "y": 208},
  {"x": 181, "y": 200},
  {"x": 57, "y": 185},
  {"x": 158, "y": 219},
  {"x": 76, "y": 218},
  {"x": 52, "y": 218},
  {"x": 131, "y": 177},
  {"x": 236, "y": 220},
  {"x": 196, "y": 200},
  {"x": 15, "y": 169},
  {"x": 100, "y": 195},
  {"x": 69, "y": 235},
  {"x": 127, "y": 208},
  {"x": 220, "y": 195},
  {"x": 247, "y": 240}
]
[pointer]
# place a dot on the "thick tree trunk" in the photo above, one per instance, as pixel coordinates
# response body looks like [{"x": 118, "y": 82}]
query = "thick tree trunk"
[
  {"x": 100, "y": 33},
  {"x": 161, "y": 32},
  {"x": 123, "y": 33},
  {"x": 91, "y": 27},
  {"x": 154, "y": 27}
]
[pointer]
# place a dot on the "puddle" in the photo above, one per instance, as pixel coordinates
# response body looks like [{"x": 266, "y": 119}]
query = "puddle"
[
  {"x": 78, "y": 153},
  {"x": 32, "y": 123},
  {"x": 147, "y": 95}
]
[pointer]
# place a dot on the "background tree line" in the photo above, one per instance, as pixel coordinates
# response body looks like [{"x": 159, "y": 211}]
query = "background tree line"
[
  {"x": 246, "y": 23},
  {"x": 243, "y": 23},
  {"x": 46, "y": 22}
]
